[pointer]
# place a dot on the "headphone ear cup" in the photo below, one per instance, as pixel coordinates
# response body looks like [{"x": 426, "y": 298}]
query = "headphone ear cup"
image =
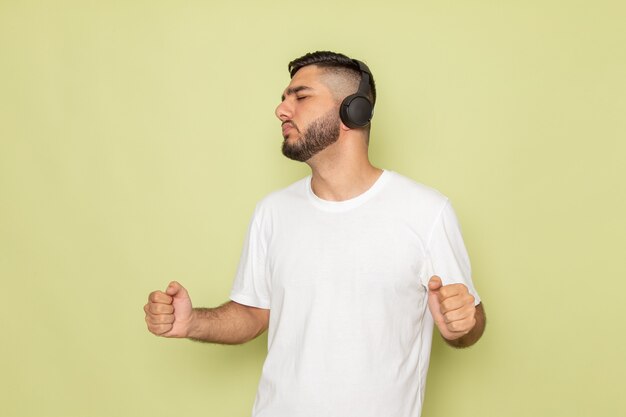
[{"x": 355, "y": 111}]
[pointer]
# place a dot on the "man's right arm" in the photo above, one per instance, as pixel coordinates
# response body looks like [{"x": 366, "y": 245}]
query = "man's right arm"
[{"x": 170, "y": 314}]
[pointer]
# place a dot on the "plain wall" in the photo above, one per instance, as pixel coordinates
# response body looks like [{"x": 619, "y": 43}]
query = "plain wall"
[{"x": 137, "y": 136}]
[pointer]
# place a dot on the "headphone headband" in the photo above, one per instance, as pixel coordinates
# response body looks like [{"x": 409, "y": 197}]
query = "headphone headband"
[
  {"x": 357, "y": 110},
  {"x": 364, "y": 85}
]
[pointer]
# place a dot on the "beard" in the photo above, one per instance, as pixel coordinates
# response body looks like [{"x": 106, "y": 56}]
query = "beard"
[{"x": 319, "y": 135}]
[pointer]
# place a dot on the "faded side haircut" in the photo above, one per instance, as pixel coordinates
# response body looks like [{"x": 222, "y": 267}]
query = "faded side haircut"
[{"x": 337, "y": 64}]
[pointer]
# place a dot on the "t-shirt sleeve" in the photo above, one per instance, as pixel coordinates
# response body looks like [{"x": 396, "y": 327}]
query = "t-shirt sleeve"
[
  {"x": 447, "y": 255},
  {"x": 251, "y": 286}
]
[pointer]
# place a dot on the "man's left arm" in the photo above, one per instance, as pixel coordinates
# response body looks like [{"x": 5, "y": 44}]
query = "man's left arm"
[{"x": 460, "y": 322}]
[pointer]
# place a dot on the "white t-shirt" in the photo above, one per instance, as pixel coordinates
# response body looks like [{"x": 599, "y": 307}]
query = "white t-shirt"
[{"x": 346, "y": 282}]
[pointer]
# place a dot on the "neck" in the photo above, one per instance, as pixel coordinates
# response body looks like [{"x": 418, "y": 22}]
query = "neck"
[{"x": 343, "y": 170}]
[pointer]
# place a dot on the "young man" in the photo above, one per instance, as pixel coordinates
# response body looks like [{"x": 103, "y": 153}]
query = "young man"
[{"x": 348, "y": 268}]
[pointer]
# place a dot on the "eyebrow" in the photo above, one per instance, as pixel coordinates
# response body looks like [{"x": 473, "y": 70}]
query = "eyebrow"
[{"x": 294, "y": 90}]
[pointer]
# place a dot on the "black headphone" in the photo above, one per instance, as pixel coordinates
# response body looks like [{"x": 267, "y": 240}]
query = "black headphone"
[{"x": 357, "y": 110}]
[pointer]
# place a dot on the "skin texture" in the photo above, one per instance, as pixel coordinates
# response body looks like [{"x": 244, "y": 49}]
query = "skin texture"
[
  {"x": 460, "y": 323},
  {"x": 319, "y": 135},
  {"x": 170, "y": 313},
  {"x": 341, "y": 170}
]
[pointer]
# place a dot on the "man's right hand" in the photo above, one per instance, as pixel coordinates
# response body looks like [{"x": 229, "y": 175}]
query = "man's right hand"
[{"x": 169, "y": 313}]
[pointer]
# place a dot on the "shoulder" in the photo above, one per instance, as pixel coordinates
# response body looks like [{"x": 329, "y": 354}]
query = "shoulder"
[
  {"x": 283, "y": 198},
  {"x": 415, "y": 193},
  {"x": 296, "y": 191}
]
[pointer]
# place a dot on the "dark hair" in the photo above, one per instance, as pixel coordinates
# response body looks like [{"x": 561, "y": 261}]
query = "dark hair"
[{"x": 327, "y": 59}]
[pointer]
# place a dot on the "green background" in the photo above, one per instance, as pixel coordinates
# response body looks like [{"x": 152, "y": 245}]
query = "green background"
[{"x": 137, "y": 136}]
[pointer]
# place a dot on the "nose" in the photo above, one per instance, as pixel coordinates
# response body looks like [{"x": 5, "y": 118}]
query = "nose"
[{"x": 283, "y": 111}]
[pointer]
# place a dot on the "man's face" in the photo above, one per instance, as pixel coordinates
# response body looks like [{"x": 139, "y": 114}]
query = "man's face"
[{"x": 309, "y": 114}]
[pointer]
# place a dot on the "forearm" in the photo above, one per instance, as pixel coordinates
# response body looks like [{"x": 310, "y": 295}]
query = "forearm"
[
  {"x": 230, "y": 324},
  {"x": 473, "y": 335}
]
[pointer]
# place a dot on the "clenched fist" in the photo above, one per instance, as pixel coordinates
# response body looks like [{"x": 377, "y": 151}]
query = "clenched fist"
[
  {"x": 452, "y": 308},
  {"x": 169, "y": 313}
]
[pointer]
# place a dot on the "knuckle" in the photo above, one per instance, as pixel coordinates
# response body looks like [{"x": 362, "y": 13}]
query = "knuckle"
[
  {"x": 453, "y": 326},
  {"x": 164, "y": 328},
  {"x": 164, "y": 319},
  {"x": 163, "y": 308},
  {"x": 159, "y": 329},
  {"x": 456, "y": 326}
]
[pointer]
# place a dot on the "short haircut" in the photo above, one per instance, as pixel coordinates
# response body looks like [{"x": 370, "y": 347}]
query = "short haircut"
[{"x": 334, "y": 62}]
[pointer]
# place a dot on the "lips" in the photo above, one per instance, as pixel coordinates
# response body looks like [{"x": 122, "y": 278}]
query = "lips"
[{"x": 287, "y": 126}]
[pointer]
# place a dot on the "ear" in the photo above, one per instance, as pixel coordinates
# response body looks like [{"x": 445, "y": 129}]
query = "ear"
[{"x": 343, "y": 127}]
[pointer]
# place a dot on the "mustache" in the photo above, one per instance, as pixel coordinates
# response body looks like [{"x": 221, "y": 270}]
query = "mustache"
[{"x": 291, "y": 123}]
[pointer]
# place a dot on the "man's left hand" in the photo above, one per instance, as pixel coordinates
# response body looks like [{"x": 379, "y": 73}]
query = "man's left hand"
[{"x": 452, "y": 308}]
